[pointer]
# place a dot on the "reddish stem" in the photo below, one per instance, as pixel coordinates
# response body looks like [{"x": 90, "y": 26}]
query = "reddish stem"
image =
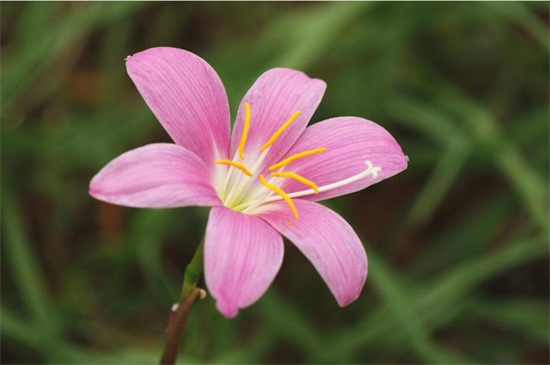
[{"x": 176, "y": 327}]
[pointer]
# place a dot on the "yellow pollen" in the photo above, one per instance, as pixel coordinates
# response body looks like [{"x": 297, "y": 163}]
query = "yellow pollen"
[
  {"x": 288, "y": 160},
  {"x": 281, "y": 193},
  {"x": 240, "y": 166},
  {"x": 297, "y": 177},
  {"x": 245, "y": 130},
  {"x": 280, "y": 131}
]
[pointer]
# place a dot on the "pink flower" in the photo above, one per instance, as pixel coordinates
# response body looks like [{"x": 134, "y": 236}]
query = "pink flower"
[{"x": 262, "y": 180}]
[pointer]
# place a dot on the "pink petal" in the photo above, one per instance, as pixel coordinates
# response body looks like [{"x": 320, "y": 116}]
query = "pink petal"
[
  {"x": 275, "y": 96},
  {"x": 242, "y": 255},
  {"x": 349, "y": 141},
  {"x": 155, "y": 176},
  {"x": 328, "y": 241},
  {"x": 187, "y": 97}
]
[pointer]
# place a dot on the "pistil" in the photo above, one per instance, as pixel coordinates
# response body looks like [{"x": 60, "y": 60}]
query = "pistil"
[{"x": 371, "y": 170}]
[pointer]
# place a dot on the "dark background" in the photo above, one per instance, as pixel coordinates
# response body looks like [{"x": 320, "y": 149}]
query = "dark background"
[{"x": 457, "y": 244}]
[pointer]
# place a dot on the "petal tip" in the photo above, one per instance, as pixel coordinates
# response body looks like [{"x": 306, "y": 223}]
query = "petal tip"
[
  {"x": 227, "y": 310},
  {"x": 146, "y": 54},
  {"x": 93, "y": 189},
  {"x": 98, "y": 194},
  {"x": 346, "y": 300},
  {"x": 93, "y": 192},
  {"x": 289, "y": 72},
  {"x": 403, "y": 162},
  {"x": 354, "y": 291}
]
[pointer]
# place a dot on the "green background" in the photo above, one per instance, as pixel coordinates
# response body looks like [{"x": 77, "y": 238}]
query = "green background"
[{"x": 457, "y": 244}]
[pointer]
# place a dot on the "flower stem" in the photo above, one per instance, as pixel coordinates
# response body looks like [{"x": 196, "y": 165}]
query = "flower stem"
[
  {"x": 189, "y": 293},
  {"x": 193, "y": 271}
]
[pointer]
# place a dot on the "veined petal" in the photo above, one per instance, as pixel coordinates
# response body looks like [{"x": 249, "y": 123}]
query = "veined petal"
[
  {"x": 349, "y": 141},
  {"x": 242, "y": 255},
  {"x": 328, "y": 241},
  {"x": 187, "y": 97},
  {"x": 274, "y": 99},
  {"x": 158, "y": 175}
]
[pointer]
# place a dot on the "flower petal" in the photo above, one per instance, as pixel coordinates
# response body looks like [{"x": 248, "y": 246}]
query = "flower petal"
[
  {"x": 158, "y": 175},
  {"x": 187, "y": 97},
  {"x": 275, "y": 96},
  {"x": 242, "y": 255},
  {"x": 349, "y": 141},
  {"x": 328, "y": 241}
]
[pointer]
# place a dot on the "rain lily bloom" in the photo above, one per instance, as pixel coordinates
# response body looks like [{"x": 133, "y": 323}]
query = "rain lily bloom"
[{"x": 262, "y": 180}]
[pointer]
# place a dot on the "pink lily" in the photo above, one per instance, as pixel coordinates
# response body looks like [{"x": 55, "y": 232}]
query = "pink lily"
[{"x": 262, "y": 180}]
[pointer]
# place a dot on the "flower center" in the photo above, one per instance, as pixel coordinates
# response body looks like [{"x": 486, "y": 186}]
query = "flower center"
[{"x": 240, "y": 191}]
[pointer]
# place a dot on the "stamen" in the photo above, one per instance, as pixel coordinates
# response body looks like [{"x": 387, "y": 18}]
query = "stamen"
[
  {"x": 235, "y": 164},
  {"x": 279, "y": 131},
  {"x": 281, "y": 193},
  {"x": 297, "y": 177},
  {"x": 288, "y": 160},
  {"x": 245, "y": 130}
]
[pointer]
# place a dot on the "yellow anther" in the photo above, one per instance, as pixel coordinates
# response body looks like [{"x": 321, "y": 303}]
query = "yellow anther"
[
  {"x": 280, "y": 131},
  {"x": 245, "y": 129},
  {"x": 240, "y": 166},
  {"x": 297, "y": 177},
  {"x": 288, "y": 160},
  {"x": 281, "y": 193}
]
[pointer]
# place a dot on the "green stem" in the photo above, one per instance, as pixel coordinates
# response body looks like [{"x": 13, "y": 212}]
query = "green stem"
[
  {"x": 189, "y": 293},
  {"x": 193, "y": 271}
]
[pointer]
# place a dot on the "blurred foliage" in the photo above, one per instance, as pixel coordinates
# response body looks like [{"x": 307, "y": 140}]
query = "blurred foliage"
[{"x": 458, "y": 243}]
